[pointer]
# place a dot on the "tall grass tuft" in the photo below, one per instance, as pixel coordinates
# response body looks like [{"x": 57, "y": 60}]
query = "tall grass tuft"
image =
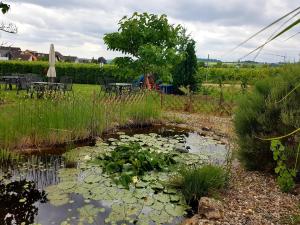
[
  {"x": 197, "y": 182},
  {"x": 39, "y": 122}
]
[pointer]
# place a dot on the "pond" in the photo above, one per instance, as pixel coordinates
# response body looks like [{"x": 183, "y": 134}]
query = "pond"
[{"x": 71, "y": 188}]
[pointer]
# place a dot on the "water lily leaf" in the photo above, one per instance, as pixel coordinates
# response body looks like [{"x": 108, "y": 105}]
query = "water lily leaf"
[
  {"x": 141, "y": 184},
  {"x": 174, "y": 198},
  {"x": 148, "y": 178},
  {"x": 159, "y": 217},
  {"x": 59, "y": 202},
  {"x": 66, "y": 185},
  {"x": 88, "y": 214},
  {"x": 92, "y": 179},
  {"x": 157, "y": 206},
  {"x": 22, "y": 200},
  {"x": 157, "y": 186},
  {"x": 129, "y": 198},
  {"x": 162, "y": 197},
  {"x": 148, "y": 201},
  {"x": 170, "y": 191},
  {"x": 175, "y": 210}
]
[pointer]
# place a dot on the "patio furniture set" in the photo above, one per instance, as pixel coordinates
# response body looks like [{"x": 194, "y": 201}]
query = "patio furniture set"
[{"x": 33, "y": 83}]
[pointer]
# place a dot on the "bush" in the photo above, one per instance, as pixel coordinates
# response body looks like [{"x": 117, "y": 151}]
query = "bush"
[
  {"x": 80, "y": 73},
  {"x": 198, "y": 182},
  {"x": 261, "y": 114}
]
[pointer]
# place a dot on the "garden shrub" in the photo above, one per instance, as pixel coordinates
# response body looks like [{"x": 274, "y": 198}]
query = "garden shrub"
[
  {"x": 198, "y": 182},
  {"x": 261, "y": 114}
]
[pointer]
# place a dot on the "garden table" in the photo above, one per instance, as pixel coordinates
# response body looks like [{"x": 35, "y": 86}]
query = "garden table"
[
  {"x": 10, "y": 80},
  {"x": 120, "y": 88},
  {"x": 41, "y": 87}
]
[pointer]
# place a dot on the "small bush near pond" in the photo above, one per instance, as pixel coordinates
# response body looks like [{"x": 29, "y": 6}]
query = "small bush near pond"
[
  {"x": 128, "y": 161},
  {"x": 198, "y": 182}
]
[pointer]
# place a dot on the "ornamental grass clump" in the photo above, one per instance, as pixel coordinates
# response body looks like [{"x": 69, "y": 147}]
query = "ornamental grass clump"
[{"x": 197, "y": 182}]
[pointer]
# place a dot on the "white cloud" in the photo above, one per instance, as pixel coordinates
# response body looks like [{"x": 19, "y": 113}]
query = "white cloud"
[{"x": 77, "y": 27}]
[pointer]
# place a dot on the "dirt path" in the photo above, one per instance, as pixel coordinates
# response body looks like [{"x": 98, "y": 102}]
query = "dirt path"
[{"x": 253, "y": 198}]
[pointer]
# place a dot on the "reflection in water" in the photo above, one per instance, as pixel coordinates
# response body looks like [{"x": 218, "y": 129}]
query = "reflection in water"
[
  {"x": 41, "y": 169},
  {"x": 17, "y": 202}
]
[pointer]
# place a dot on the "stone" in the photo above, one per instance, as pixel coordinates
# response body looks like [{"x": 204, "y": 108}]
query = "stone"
[
  {"x": 210, "y": 208},
  {"x": 196, "y": 220},
  {"x": 180, "y": 148},
  {"x": 206, "y": 129},
  {"x": 191, "y": 221}
]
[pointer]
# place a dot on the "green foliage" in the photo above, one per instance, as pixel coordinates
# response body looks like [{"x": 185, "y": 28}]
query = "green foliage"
[
  {"x": 4, "y": 7},
  {"x": 153, "y": 45},
  {"x": 198, "y": 182},
  {"x": 261, "y": 115},
  {"x": 131, "y": 160},
  {"x": 36, "y": 122},
  {"x": 233, "y": 74},
  {"x": 185, "y": 72},
  {"x": 80, "y": 73},
  {"x": 286, "y": 176}
]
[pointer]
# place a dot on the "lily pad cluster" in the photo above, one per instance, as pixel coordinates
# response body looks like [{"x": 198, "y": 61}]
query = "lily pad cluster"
[{"x": 128, "y": 161}]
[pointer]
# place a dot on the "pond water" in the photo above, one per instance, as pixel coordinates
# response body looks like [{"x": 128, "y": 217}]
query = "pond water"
[{"x": 46, "y": 189}]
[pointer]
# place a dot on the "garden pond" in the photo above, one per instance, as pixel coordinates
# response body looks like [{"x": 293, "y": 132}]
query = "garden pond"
[{"x": 72, "y": 188}]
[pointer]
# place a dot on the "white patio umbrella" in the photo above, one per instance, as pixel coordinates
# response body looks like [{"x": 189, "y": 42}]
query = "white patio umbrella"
[{"x": 51, "y": 74}]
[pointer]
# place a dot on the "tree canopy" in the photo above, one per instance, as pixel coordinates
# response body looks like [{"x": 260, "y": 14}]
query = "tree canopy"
[
  {"x": 4, "y": 7},
  {"x": 150, "y": 43},
  {"x": 186, "y": 71}
]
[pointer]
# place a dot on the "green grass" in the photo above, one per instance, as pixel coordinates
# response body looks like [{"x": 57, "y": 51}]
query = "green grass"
[{"x": 26, "y": 122}]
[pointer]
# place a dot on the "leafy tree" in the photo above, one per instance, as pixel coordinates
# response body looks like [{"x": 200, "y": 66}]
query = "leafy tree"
[
  {"x": 10, "y": 27},
  {"x": 4, "y": 7},
  {"x": 185, "y": 72},
  {"x": 150, "y": 43}
]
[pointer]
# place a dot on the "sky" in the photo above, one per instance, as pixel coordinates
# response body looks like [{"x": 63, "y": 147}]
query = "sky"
[{"x": 77, "y": 27}]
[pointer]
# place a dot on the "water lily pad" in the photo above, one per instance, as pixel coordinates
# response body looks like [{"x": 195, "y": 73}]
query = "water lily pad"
[
  {"x": 174, "y": 198},
  {"x": 88, "y": 214},
  {"x": 175, "y": 210},
  {"x": 22, "y": 200},
  {"x": 157, "y": 186},
  {"x": 157, "y": 206},
  {"x": 66, "y": 185},
  {"x": 92, "y": 179},
  {"x": 141, "y": 184},
  {"x": 162, "y": 197}
]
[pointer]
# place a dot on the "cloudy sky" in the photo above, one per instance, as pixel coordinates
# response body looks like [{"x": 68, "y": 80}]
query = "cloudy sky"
[{"x": 76, "y": 27}]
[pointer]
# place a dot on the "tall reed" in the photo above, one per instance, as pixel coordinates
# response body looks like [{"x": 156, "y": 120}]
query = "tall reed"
[{"x": 36, "y": 122}]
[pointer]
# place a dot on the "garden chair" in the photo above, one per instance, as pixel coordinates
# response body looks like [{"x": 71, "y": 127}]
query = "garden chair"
[
  {"x": 67, "y": 83},
  {"x": 2, "y": 82},
  {"x": 107, "y": 86},
  {"x": 23, "y": 84}
]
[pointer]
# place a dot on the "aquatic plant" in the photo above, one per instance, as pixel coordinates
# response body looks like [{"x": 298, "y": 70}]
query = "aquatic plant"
[
  {"x": 131, "y": 160},
  {"x": 71, "y": 157}
]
